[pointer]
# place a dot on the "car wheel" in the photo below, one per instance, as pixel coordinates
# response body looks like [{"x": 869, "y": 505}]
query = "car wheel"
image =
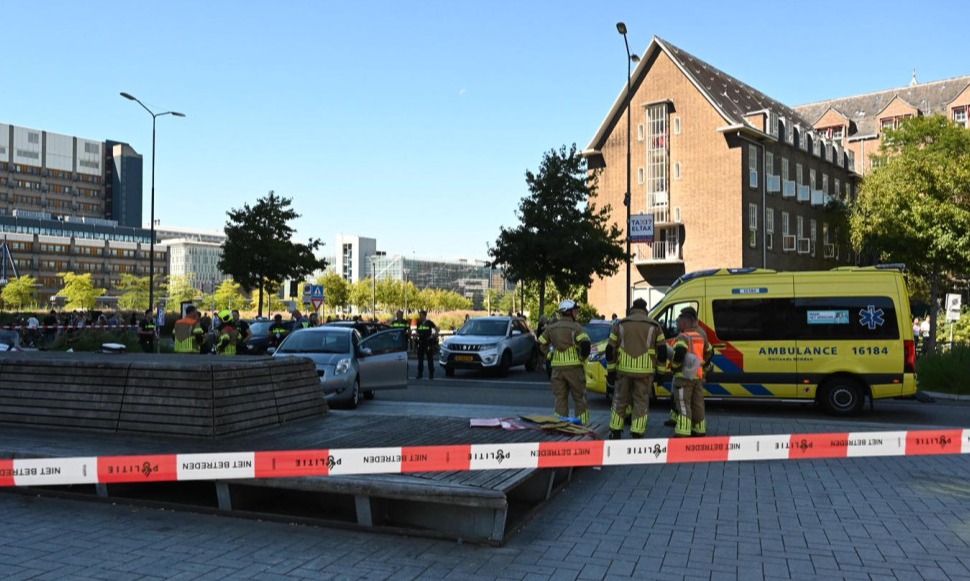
[
  {"x": 449, "y": 371},
  {"x": 369, "y": 394},
  {"x": 354, "y": 395},
  {"x": 505, "y": 364},
  {"x": 842, "y": 396}
]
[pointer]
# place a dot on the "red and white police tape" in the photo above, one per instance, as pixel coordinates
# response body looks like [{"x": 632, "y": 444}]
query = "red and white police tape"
[
  {"x": 91, "y": 327},
  {"x": 408, "y": 459}
]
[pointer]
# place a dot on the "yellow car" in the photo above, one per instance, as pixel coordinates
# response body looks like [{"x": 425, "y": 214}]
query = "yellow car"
[{"x": 596, "y": 367}]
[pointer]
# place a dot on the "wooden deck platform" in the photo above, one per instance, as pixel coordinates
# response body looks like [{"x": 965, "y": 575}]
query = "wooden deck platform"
[{"x": 479, "y": 506}]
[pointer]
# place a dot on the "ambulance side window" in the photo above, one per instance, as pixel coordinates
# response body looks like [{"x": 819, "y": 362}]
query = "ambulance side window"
[
  {"x": 846, "y": 318},
  {"x": 754, "y": 319},
  {"x": 668, "y": 317}
]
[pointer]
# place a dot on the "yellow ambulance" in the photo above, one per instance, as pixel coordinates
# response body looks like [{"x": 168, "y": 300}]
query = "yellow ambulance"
[{"x": 836, "y": 337}]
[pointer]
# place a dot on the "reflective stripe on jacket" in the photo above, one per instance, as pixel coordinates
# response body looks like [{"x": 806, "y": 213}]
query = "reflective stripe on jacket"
[
  {"x": 188, "y": 336},
  {"x": 636, "y": 339},
  {"x": 564, "y": 337},
  {"x": 694, "y": 342}
]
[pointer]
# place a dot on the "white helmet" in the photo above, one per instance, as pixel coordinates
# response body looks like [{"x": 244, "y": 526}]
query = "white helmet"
[{"x": 567, "y": 305}]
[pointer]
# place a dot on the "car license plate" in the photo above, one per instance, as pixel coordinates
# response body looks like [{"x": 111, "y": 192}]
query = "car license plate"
[{"x": 464, "y": 358}]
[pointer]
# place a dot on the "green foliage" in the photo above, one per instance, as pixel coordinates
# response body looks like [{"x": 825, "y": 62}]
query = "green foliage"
[
  {"x": 229, "y": 295},
  {"x": 961, "y": 330},
  {"x": 336, "y": 291},
  {"x": 259, "y": 246},
  {"x": 562, "y": 237},
  {"x": 180, "y": 290},
  {"x": 273, "y": 304},
  {"x": 20, "y": 292},
  {"x": 915, "y": 207},
  {"x": 361, "y": 295},
  {"x": 133, "y": 293},
  {"x": 79, "y": 290},
  {"x": 945, "y": 372}
]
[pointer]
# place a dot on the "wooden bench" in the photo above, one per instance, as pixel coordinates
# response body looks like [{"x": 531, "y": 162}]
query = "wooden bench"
[{"x": 176, "y": 395}]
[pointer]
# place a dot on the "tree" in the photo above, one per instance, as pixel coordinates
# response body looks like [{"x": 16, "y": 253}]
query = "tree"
[
  {"x": 79, "y": 290},
  {"x": 133, "y": 291},
  {"x": 915, "y": 208},
  {"x": 20, "y": 292},
  {"x": 361, "y": 295},
  {"x": 180, "y": 290},
  {"x": 562, "y": 237},
  {"x": 229, "y": 295},
  {"x": 336, "y": 290},
  {"x": 259, "y": 248},
  {"x": 273, "y": 300}
]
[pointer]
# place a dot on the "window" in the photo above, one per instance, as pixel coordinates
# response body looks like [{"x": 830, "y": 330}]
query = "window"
[
  {"x": 960, "y": 116},
  {"x": 769, "y": 163},
  {"x": 658, "y": 162},
  {"x": 91, "y": 148},
  {"x": 676, "y": 125},
  {"x": 668, "y": 317},
  {"x": 784, "y": 168},
  {"x": 753, "y": 319},
  {"x": 840, "y": 318},
  {"x": 33, "y": 138},
  {"x": 836, "y": 190},
  {"x": 785, "y": 224},
  {"x": 811, "y": 178},
  {"x": 677, "y": 171},
  {"x": 838, "y": 133},
  {"x": 800, "y": 226},
  {"x": 825, "y": 183},
  {"x": 640, "y": 132},
  {"x": 812, "y": 235},
  {"x": 639, "y": 175},
  {"x": 752, "y": 166},
  {"x": 798, "y": 174},
  {"x": 825, "y": 233},
  {"x": 769, "y": 228},
  {"x": 753, "y": 225}
]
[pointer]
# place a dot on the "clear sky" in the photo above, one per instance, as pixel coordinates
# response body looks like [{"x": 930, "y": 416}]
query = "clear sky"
[{"x": 412, "y": 122}]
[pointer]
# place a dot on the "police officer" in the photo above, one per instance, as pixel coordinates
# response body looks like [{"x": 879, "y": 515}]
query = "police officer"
[
  {"x": 427, "y": 340},
  {"x": 228, "y": 335},
  {"x": 636, "y": 342},
  {"x": 692, "y": 357},
  {"x": 146, "y": 332},
  {"x": 189, "y": 335},
  {"x": 277, "y": 331},
  {"x": 570, "y": 346},
  {"x": 400, "y": 322}
]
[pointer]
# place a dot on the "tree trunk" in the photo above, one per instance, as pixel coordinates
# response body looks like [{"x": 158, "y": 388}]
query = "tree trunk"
[
  {"x": 259, "y": 310},
  {"x": 542, "y": 298},
  {"x": 934, "y": 312}
]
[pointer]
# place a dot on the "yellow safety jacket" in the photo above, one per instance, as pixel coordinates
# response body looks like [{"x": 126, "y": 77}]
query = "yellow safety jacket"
[
  {"x": 188, "y": 336},
  {"x": 635, "y": 340},
  {"x": 564, "y": 337},
  {"x": 227, "y": 341}
]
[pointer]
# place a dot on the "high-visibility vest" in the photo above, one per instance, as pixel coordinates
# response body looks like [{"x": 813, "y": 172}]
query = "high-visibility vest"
[
  {"x": 187, "y": 333},
  {"x": 229, "y": 338},
  {"x": 695, "y": 343}
]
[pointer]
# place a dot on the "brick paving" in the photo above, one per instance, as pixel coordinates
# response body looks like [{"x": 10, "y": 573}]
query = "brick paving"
[{"x": 865, "y": 518}]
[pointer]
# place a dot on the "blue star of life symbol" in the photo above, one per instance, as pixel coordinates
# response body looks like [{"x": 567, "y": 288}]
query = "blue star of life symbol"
[{"x": 871, "y": 317}]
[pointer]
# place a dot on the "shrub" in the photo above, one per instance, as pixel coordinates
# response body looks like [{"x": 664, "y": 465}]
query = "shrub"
[{"x": 945, "y": 372}]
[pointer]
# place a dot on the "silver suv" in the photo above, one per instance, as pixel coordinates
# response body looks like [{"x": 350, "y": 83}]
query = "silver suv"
[{"x": 494, "y": 343}]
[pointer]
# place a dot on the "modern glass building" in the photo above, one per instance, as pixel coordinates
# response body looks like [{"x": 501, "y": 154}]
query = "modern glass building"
[{"x": 469, "y": 278}]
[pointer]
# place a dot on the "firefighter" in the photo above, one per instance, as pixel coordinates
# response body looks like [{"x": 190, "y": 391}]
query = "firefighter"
[
  {"x": 692, "y": 357},
  {"x": 570, "y": 346},
  {"x": 189, "y": 335},
  {"x": 427, "y": 341},
  {"x": 228, "y": 335},
  {"x": 636, "y": 343},
  {"x": 146, "y": 332},
  {"x": 277, "y": 331}
]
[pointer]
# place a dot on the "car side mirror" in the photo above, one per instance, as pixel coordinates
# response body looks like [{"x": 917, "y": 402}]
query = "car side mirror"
[
  {"x": 516, "y": 333},
  {"x": 366, "y": 351},
  {"x": 270, "y": 350}
]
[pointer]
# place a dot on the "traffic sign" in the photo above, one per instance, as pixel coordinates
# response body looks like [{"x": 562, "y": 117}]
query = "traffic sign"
[
  {"x": 953, "y": 307},
  {"x": 316, "y": 296}
]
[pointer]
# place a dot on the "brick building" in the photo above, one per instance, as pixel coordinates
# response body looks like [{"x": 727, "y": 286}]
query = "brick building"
[
  {"x": 732, "y": 177},
  {"x": 858, "y": 122}
]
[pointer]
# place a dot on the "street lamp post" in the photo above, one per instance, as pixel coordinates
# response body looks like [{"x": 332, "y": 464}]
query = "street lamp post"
[
  {"x": 151, "y": 251},
  {"x": 630, "y": 59}
]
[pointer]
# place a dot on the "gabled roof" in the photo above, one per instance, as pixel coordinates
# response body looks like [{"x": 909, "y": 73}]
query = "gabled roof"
[
  {"x": 729, "y": 96},
  {"x": 864, "y": 109}
]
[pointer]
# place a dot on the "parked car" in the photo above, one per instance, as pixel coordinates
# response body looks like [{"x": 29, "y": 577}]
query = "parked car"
[
  {"x": 259, "y": 342},
  {"x": 365, "y": 328},
  {"x": 595, "y": 366},
  {"x": 9, "y": 340},
  {"x": 348, "y": 365},
  {"x": 491, "y": 343}
]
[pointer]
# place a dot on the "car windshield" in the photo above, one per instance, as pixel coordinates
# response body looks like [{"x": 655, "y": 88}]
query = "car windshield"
[
  {"x": 260, "y": 328},
  {"x": 598, "y": 333},
  {"x": 484, "y": 328},
  {"x": 316, "y": 342}
]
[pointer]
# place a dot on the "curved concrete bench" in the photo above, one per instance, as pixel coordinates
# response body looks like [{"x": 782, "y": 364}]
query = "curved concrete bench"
[{"x": 177, "y": 395}]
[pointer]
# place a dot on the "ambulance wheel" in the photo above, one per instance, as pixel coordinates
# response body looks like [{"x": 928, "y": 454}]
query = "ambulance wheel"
[{"x": 842, "y": 396}]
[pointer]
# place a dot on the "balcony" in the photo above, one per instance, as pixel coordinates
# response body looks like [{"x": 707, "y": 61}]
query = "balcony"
[
  {"x": 659, "y": 206},
  {"x": 661, "y": 251}
]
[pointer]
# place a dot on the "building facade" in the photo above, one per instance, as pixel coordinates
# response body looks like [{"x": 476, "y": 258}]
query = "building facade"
[
  {"x": 469, "y": 278},
  {"x": 353, "y": 256},
  {"x": 731, "y": 177},
  {"x": 858, "y": 122},
  {"x": 196, "y": 261}
]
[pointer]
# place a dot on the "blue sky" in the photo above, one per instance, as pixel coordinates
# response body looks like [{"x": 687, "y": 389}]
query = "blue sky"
[{"x": 412, "y": 122}]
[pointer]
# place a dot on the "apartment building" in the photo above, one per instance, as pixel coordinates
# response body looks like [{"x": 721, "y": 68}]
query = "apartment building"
[
  {"x": 732, "y": 177},
  {"x": 858, "y": 123}
]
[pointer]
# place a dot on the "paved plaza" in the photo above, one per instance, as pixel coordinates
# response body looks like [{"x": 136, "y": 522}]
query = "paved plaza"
[{"x": 865, "y": 518}]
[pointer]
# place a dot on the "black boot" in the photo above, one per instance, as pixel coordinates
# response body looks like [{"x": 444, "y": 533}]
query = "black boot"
[
  {"x": 616, "y": 434},
  {"x": 636, "y": 436}
]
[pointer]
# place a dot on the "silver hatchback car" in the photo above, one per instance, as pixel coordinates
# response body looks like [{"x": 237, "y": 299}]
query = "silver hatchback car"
[{"x": 349, "y": 366}]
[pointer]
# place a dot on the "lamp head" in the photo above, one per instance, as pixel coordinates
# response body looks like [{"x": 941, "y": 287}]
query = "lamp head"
[
  {"x": 177, "y": 114},
  {"x": 128, "y": 96},
  {"x": 621, "y": 28},
  {"x": 635, "y": 58}
]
